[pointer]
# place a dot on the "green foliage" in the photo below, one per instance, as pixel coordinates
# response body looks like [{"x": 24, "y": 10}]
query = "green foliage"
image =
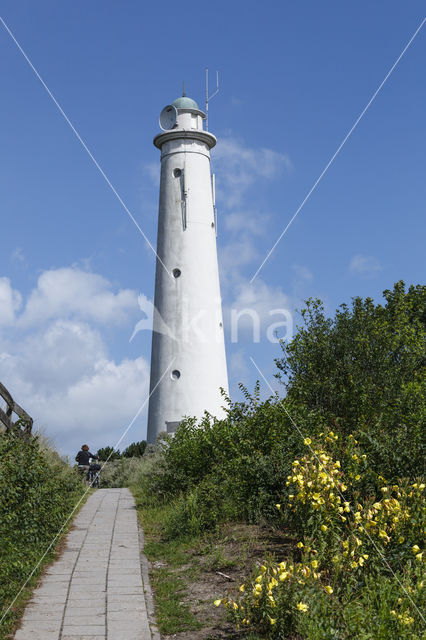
[
  {"x": 228, "y": 469},
  {"x": 38, "y": 492},
  {"x": 135, "y": 450},
  {"x": 365, "y": 370},
  {"x": 357, "y": 570},
  {"x": 108, "y": 453},
  {"x": 121, "y": 473}
]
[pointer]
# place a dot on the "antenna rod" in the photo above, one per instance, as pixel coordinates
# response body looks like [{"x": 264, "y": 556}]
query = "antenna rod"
[{"x": 208, "y": 98}]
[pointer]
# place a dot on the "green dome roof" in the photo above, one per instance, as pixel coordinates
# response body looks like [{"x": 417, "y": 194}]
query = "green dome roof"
[{"x": 185, "y": 103}]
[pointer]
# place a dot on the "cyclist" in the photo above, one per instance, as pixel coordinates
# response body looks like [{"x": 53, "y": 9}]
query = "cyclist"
[{"x": 83, "y": 460}]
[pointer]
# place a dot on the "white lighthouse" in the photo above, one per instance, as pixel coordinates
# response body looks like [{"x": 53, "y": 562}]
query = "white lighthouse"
[{"x": 188, "y": 360}]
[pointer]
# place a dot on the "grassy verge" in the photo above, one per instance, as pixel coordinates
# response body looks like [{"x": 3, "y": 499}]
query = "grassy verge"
[
  {"x": 188, "y": 574},
  {"x": 168, "y": 568},
  {"x": 38, "y": 492}
]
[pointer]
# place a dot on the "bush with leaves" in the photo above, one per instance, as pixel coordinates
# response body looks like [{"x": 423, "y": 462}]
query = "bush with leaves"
[
  {"x": 38, "y": 493},
  {"x": 365, "y": 370},
  {"x": 358, "y": 567}
]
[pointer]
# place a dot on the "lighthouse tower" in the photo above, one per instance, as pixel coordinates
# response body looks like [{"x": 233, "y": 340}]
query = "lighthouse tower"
[{"x": 188, "y": 361}]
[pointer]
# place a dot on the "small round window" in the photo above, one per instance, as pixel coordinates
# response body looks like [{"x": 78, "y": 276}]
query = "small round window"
[
  {"x": 175, "y": 374},
  {"x": 177, "y": 173},
  {"x": 176, "y": 273}
]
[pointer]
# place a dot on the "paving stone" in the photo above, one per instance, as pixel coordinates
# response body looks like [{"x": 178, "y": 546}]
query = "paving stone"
[
  {"x": 84, "y": 621},
  {"x": 77, "y": 603},
  {"x": 74, "y": 612},
  {"x": 23, "y": 634},
  {"x": 86, "y": 630},
  {"x": 102, "y": 637}
]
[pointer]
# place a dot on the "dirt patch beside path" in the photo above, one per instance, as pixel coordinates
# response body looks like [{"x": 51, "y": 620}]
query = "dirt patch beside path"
[{"x": 216, "y": 567}]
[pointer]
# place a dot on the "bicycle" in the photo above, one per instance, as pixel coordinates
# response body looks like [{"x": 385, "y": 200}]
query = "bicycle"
[{"x": 93, "y": 475}]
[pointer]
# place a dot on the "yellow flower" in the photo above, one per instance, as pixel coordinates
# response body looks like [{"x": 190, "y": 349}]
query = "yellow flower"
[
  {"x": 300, "y": 545},
  {"x": 263, "y": 568},
  {"x": 307, "y": 441},
  {"x": 234, "y": 604},
  {"x": 329, "y": 589},
  {"x": 419, "y": 557},
  {"x": 272, "y": 620},
  {"x": 302, "y": 607},
  {"x": 324, "y": 527},
  {"x": 416, "y": 548},
  {"x": 242, "y": 588},
  {"x": 284, "y": 575},
  {"x": 259, "y": 579},
  {"x": 357, "y": 477},
  {"x": 314, "y": 564},
  {"x": 278, "y": 506},
  {"x": 217, "y": 603}
]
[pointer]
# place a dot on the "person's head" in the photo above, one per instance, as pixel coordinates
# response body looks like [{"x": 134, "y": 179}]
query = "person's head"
[{"x": 85, "y": 447}]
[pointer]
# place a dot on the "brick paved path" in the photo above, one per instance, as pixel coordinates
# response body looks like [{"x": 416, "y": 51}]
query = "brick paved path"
[{"x": 98, "y": 589}]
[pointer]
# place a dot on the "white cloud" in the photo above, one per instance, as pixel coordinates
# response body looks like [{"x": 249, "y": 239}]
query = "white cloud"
[
  {"x": 153, "y": 171},
  {"x": 56, "y": 363},
  {"x": 257, "y": 312},
  {"x": 238, "y": 168},
  {"x": 233, "y": 256},
  {"x": 98, "y": 407},
  {"x": 72, "y": 292},
  {"x": 367, "y": 266},
  {"x": 10, "y": 302},
  {"x": 246, "y": 222}
]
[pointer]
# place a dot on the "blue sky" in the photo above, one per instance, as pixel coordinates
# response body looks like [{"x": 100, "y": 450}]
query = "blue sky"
[{"x": 294, "y": 78}]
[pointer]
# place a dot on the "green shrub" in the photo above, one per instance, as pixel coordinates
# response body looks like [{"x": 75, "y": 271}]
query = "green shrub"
[
  {"x": 366, "y": 369},
  {"x": 358, "y": 568},
  {"x": 38, "y": 492}
]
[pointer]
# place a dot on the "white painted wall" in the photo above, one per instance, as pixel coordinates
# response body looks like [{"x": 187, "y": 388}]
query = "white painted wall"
[{"x": 189, "y": 305}]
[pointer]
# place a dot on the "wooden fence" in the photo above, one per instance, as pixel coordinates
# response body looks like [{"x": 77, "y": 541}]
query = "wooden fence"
[{"x": 12, "y": 417}]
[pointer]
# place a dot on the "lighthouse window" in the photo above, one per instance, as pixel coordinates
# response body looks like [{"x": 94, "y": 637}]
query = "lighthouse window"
[
  {"x": 176, "y": 273},
  {"x": 177, "y": 173},
  {"x": 175, "y": 374}
]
